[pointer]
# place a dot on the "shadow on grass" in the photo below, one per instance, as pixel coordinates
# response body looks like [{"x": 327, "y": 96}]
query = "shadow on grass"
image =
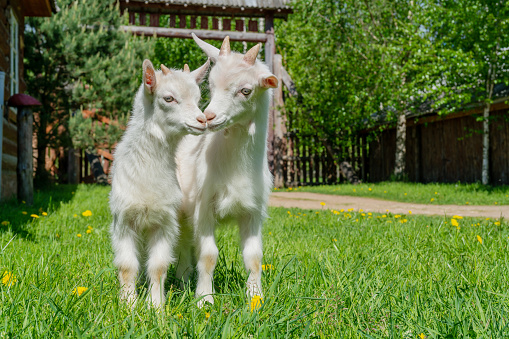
[{"x": 16, "y": 216}]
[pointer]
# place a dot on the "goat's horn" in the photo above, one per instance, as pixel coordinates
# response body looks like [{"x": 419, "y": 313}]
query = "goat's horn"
[
  {"x": 165, "y": 69},
  {"x": 250, "y": 56},
  {"x": 186, "y": 69},
  {"x": 225, "y": 47}
]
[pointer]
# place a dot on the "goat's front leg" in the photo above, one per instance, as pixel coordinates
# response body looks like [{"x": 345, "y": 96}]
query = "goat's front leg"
[
  {"x": 159, "y": 257},
  {"x": 126, "y": 260},
  {"x": 250, "y": 228},
  {"x": 206, "y": 253}
]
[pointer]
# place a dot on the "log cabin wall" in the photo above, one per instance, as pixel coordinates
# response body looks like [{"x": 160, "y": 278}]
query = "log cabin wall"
[
  {"x": 9, "y": 130},
  {"x": 445, "y": 150}
]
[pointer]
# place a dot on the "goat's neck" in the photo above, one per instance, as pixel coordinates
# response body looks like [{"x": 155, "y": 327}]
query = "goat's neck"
[{"x": 248, "y": 137}]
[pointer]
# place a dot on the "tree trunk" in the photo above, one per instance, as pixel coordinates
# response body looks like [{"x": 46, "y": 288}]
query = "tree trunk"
[
  {"x": 486, "y": 131},
  {"x": 399, "y": 166}
]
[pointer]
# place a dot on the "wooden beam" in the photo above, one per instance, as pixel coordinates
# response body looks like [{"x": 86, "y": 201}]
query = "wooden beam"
[
  {"x": 202, "y": 34},
  {"x": 168, "y": 8},
  {"x": 288, "y": 82},
  {"x": 279, "y": 123}
]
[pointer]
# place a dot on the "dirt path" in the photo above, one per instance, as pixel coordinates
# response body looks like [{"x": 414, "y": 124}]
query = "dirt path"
[{"x": 307, "y": 200}]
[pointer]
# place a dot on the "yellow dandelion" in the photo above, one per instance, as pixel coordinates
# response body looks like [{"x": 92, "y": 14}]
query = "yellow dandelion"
[
  {"x": 385, "y": 191},
  {"x": 90, "y": 227},
  {"x": 397, "y": 216},
  {"x": 207, "y": 314},
  {"x": 432, "y": 199},
  {"x": 44, "y": 213},
  {"x": 387, "y": 211},
  {"x": 409, "y": 212},
  {"x": 288, "y": 212},
  {"x": 454, "y": 222},
  {"x": 436, "y": 192},
  {"x": 354, "y": 190},
  {"x": 487, "y": 218},
  {"x": 78, "y": 235},
  {"x": 322, "y": 203},
  {"x": 497, "y": 223},
  {"x": 24, "y": 212},
  {"x": 369, "y": 213},
  {"x": 89, "y": 231},
  {"x": 270, "y": 233},
  {"x": 79, "y": 290},
  {"x": 369, "y": 189},
  {"x": 405, "y": 220},
  {"x": 405, "y": 194},
  {"x": 23, "y": 201},
  {"x": 34, "y": 216},
  {"x": 457, "y": 217},
  {"x": 361, "y": 210},
  {"x": 87, "y": 213},
  {"x": 350, "y": 209},
  {"x": 384, "y": 216},
  {"x": 8, "y": 279},
  {"x": 57, "y": 235},
  {"x": 363, "y": 214},
  {"x": 267, "y": 267},
  {"x": 256, "y": 302},
  {"x": 357, "y": 220},
  {"x": 317, "y": 212},
  {"x": 341, "y": 210},
  {"x": 5, "y": 223},
  {"x": 179, "y": 316},
  {"x": 290, "y": 190},
  {"x": 335, "y": 240},
  {"x": 479, "y": 239},
  {"x": 75, "y": 215},
  {"x": 496, "y": 203},
  {"x": 467, "y": 203},
  {"x": 422, "y": 336}
]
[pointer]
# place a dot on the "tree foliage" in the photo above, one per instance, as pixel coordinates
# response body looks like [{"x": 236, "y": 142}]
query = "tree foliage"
[
  {"x": 79, "y": 59},
  {"x": 359, "y": 63}
]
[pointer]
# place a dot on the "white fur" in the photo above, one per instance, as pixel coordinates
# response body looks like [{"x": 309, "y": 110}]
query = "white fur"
[
  {"x": 225, "y": 174},
  {"x": 145, "y": 195}
]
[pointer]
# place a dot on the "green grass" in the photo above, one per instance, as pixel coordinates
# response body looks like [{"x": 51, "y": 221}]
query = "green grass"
[
  {"x": 333, "y": 274},
  {"x": 440, "y": 194}
]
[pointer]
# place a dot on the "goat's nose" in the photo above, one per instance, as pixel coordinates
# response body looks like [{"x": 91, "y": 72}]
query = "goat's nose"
[
  {"x": 202, "y": 120},
  {"x": 209, "y": 115}
]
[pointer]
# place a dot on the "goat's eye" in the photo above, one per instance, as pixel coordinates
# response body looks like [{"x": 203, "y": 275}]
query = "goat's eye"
[
  {"x": 169, "y": 99},
  {"x": 246, "y": 91}
]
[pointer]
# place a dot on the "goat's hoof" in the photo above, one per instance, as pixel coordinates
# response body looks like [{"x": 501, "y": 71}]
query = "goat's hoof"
[{"x": 202, "y": 301}]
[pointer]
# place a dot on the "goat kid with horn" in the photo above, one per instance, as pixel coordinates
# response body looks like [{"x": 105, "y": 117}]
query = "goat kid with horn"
[
  {"x": 145, "y": 195},
  {"x": 225, "y": 175}
]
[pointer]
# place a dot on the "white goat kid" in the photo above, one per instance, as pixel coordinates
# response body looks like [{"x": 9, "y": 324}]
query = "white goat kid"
[
  {"x": 225, "y": 174},
  {"x": 145, "y": 195}
]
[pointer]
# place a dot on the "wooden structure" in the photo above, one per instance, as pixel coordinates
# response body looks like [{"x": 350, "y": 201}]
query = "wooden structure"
[
  {"x": 25, "y": 166},
  {"x": 446, "y": 149},
  {"x": 12, "y": 23},
  {"x": 241, "y": 20}
]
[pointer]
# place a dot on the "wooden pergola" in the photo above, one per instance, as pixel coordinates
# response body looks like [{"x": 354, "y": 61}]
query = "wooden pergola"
[{"x": 241, "y": 20}]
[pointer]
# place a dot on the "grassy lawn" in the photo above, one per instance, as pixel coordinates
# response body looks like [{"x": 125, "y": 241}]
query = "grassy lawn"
[
  {"x": 440, "y": 194},
  {"x": 328, "y": 274}
]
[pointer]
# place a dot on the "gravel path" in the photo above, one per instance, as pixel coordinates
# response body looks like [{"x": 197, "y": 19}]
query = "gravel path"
[{"x": 307, "y": 200}]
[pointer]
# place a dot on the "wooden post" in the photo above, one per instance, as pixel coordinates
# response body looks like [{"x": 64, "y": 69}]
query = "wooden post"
[
  {"x": 279, "y": 143},
  {"x": 25, "y": 168},
  {"x": 73, "y": 175},
  {"x": 270, "y": 46}
]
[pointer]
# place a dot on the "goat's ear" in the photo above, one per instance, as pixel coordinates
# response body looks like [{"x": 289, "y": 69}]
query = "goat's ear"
[
  {"x": 199, "y": 73},
  {"x": 149, "y": 76},
  {"x": 268, "y": 81},
  {"x": 211, "y": 51}
]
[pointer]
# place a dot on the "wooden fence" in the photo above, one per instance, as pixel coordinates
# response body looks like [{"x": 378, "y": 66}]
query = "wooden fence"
[{"x": 447, "y": 149}]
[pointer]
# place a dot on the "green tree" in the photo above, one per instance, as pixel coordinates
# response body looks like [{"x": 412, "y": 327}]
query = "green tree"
[
  {"x": 479, "y": 29},
  {"x": 79, "y": 59}
]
